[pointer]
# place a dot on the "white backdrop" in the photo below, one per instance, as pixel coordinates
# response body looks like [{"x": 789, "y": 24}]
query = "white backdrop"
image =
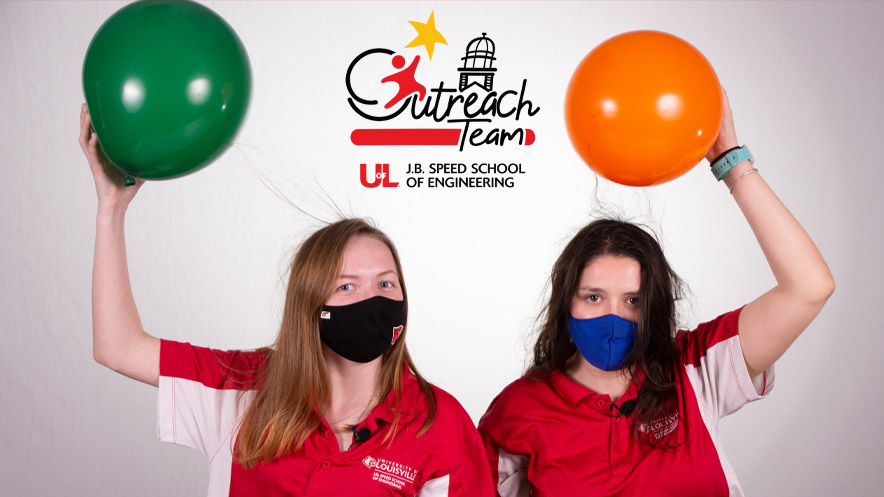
[{"x": 208, "y": 251}]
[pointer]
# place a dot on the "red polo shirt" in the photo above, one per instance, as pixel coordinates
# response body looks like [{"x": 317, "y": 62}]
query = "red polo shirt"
[
  {"x": 557, "y": 437},
  {"x": 202, "y": 395}
]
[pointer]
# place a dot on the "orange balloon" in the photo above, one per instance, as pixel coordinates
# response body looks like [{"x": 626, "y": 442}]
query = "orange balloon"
[{"x": 643, "y": 108}]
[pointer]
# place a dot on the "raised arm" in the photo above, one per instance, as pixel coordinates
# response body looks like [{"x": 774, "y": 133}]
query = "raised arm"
[
  {"x": 769, "y": 324},
  {"x": 118, "y": 339}
]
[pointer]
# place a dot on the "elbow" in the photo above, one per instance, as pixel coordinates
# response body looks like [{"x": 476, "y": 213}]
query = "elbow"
[
  {"x": 825, "y": 287},
  {"x": 830, "y": 287},
  {"x": 100, "y": 357},
  {"x": 818, "y": 293},
  {"x": 812, "y": 293},
  {"x": 103, "y": 356}
]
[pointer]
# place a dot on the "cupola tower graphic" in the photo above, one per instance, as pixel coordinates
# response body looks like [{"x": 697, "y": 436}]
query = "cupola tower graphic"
[{"x": 478, "y": 64}]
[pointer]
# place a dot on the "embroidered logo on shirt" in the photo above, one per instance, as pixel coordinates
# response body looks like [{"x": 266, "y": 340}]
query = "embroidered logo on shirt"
[
  {"x": 661, "y": 425},
  {"x": 390, "y": 473}
]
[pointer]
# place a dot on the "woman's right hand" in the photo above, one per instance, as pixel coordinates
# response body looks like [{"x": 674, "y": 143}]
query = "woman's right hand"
[{"x": 109, "y": 180}]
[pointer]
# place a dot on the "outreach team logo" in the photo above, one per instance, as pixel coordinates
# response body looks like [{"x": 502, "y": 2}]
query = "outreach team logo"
[{"x": 478, "y": 111}]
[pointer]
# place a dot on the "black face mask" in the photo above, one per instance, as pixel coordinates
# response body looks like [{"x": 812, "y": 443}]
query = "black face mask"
[{"x": 362, "y": 331}]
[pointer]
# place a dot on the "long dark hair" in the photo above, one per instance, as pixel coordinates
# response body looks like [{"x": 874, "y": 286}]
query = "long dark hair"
[{"x": 660, "y": 288}]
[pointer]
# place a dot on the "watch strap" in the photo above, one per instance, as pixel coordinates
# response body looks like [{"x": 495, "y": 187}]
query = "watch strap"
[{"x": 729, "y": 160}]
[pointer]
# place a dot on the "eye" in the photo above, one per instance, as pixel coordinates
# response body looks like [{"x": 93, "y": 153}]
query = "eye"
[
  {"x": 593, "y": 298},
  {"x": 387, "y": 284},
  {"x": 346, "y": 287},
  {"x": 632, "y": 300}
]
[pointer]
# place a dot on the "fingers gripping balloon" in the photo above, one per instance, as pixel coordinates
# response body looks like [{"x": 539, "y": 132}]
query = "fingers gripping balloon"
[
  {"x": 643, "y": 108},
  {"x": 167, "y": 84}
]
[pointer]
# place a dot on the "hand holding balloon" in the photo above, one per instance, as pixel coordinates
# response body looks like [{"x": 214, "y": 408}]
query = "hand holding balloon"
[
  {"x": 109, "y": 181},
  {"x": 727, "y": 134}
]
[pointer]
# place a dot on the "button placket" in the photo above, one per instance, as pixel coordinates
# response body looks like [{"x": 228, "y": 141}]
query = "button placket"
[{"x": 621, "y": 463}]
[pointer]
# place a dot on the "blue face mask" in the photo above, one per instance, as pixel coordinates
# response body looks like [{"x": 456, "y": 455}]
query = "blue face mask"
[{"x": 604, "y": 341}]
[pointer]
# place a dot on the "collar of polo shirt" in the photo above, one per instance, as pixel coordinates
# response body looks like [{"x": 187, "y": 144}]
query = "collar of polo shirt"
[{"x": 576, "y": 394}]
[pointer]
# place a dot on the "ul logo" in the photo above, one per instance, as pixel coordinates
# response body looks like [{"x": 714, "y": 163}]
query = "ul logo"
[{"x": 381, "y": 176}]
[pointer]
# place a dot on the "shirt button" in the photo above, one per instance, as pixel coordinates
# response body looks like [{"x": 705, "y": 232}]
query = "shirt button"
[
  {"x": 326, "y": 464},
  {"x": 327, "y": 434},
  {"x": 600, "y": 403},
  {"x": 617, "y": 449}
]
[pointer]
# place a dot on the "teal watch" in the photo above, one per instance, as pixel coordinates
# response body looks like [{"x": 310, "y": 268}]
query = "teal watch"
[{"x": 730, "y": 159}]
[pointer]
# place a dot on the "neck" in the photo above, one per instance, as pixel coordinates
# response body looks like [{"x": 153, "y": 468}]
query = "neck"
[
  {"x": 354, "y": 387},
  {"x": 612, "y": 383}
]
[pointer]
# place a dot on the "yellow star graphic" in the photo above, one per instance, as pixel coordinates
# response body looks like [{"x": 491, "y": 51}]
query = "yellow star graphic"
[{"x": 427, "y": 35}]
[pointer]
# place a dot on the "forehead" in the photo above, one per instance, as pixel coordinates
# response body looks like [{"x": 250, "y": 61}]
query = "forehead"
[
  {"x": 612, "y": 273},
  {"x": 366, "y": 254}
]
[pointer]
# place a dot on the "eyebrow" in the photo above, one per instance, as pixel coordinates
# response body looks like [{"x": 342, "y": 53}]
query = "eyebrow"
[
  {"x": 602, "y": 290},
  {"x": 353, "y": 276}
]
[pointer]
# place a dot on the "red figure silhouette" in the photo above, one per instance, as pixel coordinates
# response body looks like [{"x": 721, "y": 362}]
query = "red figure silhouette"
[{"x": 405, "y": 80}]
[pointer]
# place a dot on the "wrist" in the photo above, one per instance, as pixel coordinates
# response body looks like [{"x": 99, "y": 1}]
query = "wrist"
[
  {"x": 735, "y": 172},
  {"x": 729, "y": 160},
  {"x": 717, "y": 149},
  {"x": 735, "y": 178},
  {"x": 110, "y": 209},
  {"x": 720, "y": 155}
]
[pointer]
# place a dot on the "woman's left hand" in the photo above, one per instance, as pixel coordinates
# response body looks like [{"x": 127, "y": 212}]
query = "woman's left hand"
[{"x": 727, "y": 135}]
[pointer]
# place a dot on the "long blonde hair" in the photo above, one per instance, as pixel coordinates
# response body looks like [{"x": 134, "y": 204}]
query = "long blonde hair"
[{"x": 293, "y": 383}]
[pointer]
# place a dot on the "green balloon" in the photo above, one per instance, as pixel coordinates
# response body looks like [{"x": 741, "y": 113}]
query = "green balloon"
[{"x": 167, "y": 84}]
